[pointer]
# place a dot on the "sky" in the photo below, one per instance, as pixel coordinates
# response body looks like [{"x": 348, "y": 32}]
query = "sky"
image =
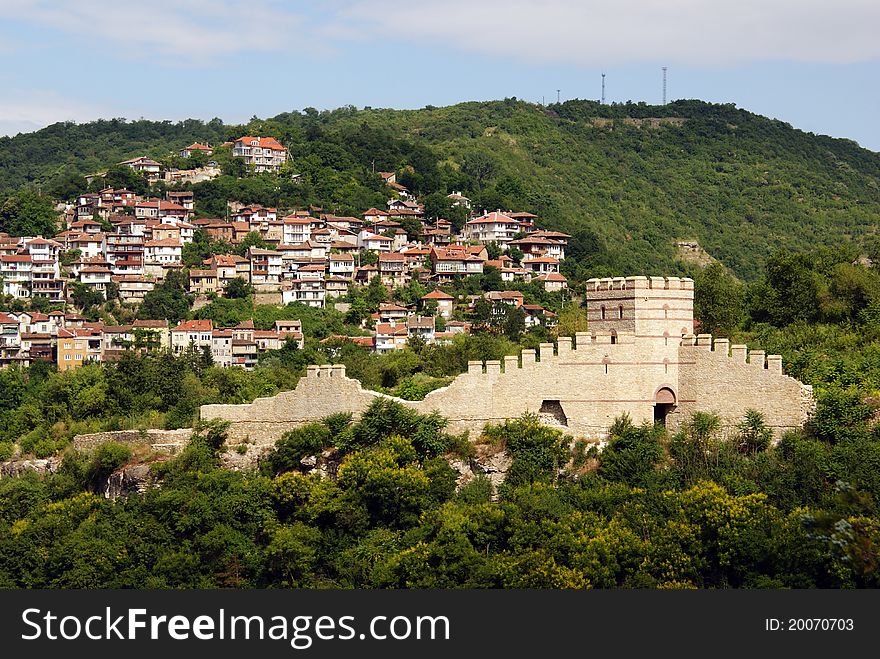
[{"x": 812, "y": 63}]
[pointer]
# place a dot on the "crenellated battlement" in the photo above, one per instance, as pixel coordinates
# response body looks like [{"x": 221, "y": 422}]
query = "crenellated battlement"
[
  {"x": 583, "y": 348},
  {"x": 639, "y": 358},
  {"x": 325, "y": 371},
  {"x": 637, "y": 283},
  {"x": 736, "y": 353}
]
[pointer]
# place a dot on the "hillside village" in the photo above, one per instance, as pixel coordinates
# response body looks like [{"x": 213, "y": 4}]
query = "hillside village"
[{"x": 115, "y": 244}]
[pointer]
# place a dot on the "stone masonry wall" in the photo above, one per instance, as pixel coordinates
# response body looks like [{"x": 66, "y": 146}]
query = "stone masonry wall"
[
  {"x": 589, "y": 379},
  {"x": 170, "y": 440},
  {"x": 727, "y": 380},
  {"x": 323, "y": 391}
]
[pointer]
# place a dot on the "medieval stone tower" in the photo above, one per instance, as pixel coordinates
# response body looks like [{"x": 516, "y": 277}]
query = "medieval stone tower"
[{"x": 653, "y": 312}]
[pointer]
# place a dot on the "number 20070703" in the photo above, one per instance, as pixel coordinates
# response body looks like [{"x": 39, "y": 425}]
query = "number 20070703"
[{"x": 809, "y": 625}]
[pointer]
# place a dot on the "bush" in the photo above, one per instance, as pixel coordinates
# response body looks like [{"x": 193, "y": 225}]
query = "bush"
[
  {"x": 106, "y": 459},
  {"x": 386, "y": 418},
  {"x": 753, "y": 435},
  {"x": 840, "y": 414},
  {"x": 478, "y": 491},
  {"x": 7, "y": 450},
  {"x": 632, "y": 453},
  {"x": 297, "y": 444},
  {"x": 538, "y": 451}
]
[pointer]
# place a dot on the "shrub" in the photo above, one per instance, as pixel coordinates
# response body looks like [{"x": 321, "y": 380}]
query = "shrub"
[
  {"x": 753, "y": 436},
  {"x": 538, "y": 451},
  {"x": 106, "y": 459},
  {"x": 7, "y": 450},
  {"x": 477, "y": 491},
  {"x": 295, "y": 445},
  {"x": 632, "y": 453}
]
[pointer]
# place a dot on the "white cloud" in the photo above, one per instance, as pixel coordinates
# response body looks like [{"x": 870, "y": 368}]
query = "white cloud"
[
  {"x": 185, "y": 31},
  {"x": 595, "y": 33},
  {"x": 24, "y": 111},
  {"x": 580, "y": 32}
]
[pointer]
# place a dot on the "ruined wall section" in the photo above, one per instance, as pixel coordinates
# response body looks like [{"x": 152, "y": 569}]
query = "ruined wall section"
[
  {"x": 728, "y": 380},
  {"x": 323, "y": 391}
]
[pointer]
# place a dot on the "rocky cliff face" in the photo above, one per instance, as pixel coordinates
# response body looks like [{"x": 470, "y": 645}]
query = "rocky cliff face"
[
  {"x": 488, "y": 462},
  {"x": 124, "y": 481},
  {"x": 12, "y": 468}
]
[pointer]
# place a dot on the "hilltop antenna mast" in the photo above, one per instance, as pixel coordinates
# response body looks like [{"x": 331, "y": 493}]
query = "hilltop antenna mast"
[
  {"x": 664, "y": 85},
  {"x": 603, "y": 89},
  {"x": 557, "y": 96}
]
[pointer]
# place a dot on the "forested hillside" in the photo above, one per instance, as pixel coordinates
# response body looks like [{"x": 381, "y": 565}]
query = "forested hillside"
[{"x": 627, "y": 180}]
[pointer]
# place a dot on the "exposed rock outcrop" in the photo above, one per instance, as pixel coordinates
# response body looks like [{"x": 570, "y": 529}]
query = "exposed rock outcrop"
[
  {"x": 12, "y": 468},
  {"x": 132, "y": 478}
]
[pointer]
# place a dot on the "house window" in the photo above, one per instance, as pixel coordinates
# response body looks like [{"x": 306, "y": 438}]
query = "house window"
[{"x": 67, "y": 357}]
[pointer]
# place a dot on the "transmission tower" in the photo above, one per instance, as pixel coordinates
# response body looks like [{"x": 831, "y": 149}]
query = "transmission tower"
[
  {"x": 664, "y": 85},
  {"x": 603, "y": 89}
]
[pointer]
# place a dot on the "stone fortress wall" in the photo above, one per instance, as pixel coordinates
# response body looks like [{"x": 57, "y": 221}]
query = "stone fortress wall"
[{"x": 640, "y": 358}]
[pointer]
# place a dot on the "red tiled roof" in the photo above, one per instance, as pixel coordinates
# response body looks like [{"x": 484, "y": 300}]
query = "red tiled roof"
[
  {"x": 166, "y": 242},
  {"x": 437, "y": 295},
  {"x": 194, "y": 326},
  {"x": 390, "y": 329},
  {"x": 492, "y": 218},
  {"x": 263, "y": 142}
]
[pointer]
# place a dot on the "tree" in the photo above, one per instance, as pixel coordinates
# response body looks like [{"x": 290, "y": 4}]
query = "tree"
[
  {"x": 86, "y": 297},
  {"x": 68, "y": 185},
  {"x": 718, "y": 301},
  {"x": 168, "y": 301},
  {"x": 27, "y": 213},
  {"x": 412, "y": 226},
  {"x": 513, "y": 322},
  {"x": 369, "y": 257},
  {"x": 238, "y": 289},
  {"x": 789, "y": 292},
  {"x": 112, "y": 290},
  {"x": 633, "y": 452},
  {"x": 197, "y": 250},
  {"x": 437, "y": 206},
  {"x": 753, "y": 435},
  {"x": 251, "y": 239},
  {"x": 123, "y": 176},
  {"x": 376, "y": 292},
  {"x": 480, "y": 166}
]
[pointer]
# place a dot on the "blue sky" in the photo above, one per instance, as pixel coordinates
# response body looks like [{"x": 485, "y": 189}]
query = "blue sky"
[{"x": 814, "y": 64}]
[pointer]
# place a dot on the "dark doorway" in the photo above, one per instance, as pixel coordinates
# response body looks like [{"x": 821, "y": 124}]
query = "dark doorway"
[
  {"x": 661, "y": 410},
  {"x": 551, "y": 412},
  {"x": 664, "y": 403}
]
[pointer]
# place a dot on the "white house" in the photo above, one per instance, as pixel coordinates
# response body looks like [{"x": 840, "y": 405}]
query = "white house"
[
  {"x": 496, "y": 227},
  {"x": 163, "y": 251},
  {"x": 264, "y": 154}
]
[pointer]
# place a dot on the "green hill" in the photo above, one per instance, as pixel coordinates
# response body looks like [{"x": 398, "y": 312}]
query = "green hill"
[{"x": 627, "y": 180}]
